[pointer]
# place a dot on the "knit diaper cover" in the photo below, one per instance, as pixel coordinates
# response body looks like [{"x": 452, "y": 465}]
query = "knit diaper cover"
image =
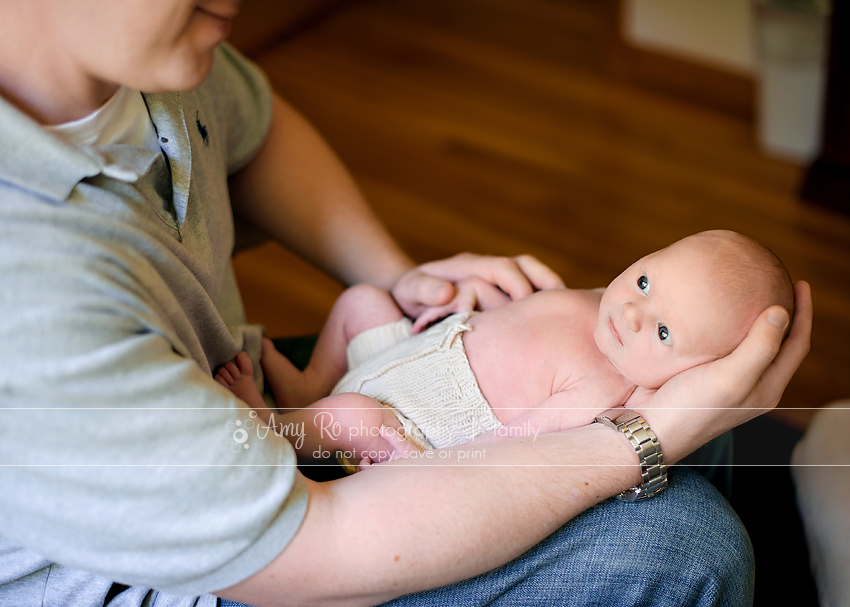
[{"x": 425, "y": 379}]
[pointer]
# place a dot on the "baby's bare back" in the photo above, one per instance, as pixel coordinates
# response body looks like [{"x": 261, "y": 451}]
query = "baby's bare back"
[{"x": 539, "y": 352}]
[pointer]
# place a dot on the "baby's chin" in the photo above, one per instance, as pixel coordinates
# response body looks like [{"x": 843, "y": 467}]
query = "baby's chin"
[
  {"x": 597, "y": 337},
  {"x": 649, "y": 383}
]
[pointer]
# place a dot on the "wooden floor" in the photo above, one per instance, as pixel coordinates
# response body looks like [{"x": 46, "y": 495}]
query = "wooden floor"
[{"x": 490, "y": 126}]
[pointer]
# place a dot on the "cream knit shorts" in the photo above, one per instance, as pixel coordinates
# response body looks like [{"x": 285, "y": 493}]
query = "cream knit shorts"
[{"x": 426, "y": 379}]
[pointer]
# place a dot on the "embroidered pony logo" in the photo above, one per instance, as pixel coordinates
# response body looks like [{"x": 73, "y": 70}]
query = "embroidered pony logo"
[{"x": 202, "y": 130}]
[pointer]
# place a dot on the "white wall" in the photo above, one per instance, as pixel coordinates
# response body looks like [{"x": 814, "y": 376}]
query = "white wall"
[
  {"x": 718, "y": 33},
  {"x": 783, "y": 51}
]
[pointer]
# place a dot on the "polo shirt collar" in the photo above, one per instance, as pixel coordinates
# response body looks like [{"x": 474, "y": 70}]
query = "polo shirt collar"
[{"x": 38, "y": 161}]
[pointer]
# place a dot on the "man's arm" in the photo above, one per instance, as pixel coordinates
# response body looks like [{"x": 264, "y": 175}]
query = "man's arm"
[
  {"x": 414, "y": 524},
  {"x": 422, "y": 523},
  {"x": 300, "y": 194}
]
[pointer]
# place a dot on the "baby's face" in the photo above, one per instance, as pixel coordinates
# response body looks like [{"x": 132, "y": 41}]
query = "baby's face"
[{"x": 666, "y": 313}]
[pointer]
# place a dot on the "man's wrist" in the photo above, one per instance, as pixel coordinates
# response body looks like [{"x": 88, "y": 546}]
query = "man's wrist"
[
  {"x": 389, "y": 276},
  {"x": 647, "y": 447}
]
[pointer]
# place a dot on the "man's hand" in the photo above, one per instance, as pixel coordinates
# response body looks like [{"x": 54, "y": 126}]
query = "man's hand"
[
  {"x": 703, "y": 402},
  {"x": 468, "y": 282}
]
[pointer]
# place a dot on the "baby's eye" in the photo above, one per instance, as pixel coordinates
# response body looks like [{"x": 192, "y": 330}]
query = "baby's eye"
[
  {"x": 664, "y": 335},
  {"x": 643, "y": 284}
]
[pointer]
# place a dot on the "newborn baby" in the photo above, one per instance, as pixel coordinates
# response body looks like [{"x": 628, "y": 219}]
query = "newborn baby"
[{"x": 548, "y": 362}]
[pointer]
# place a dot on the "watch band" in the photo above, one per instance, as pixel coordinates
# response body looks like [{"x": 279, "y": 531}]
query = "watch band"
[{"x": 645, "y": 442}]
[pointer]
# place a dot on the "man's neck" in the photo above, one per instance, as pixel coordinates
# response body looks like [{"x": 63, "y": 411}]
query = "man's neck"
[{"x": 40, "y": 78}]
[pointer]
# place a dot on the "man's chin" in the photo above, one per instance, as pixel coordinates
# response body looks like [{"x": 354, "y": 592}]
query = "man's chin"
[{"x": 185, "y": 75}]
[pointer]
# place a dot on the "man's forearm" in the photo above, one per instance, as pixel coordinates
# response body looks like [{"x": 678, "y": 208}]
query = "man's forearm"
[
  {"x": 426, "y": 522},
  {"x": 299, "y": 193}
]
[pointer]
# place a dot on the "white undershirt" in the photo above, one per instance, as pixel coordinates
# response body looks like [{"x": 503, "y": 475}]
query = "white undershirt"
[{"x": 124, "y": 119}]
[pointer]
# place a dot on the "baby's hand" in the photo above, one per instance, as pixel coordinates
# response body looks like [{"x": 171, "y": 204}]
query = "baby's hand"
[
  {"x": 399, "y": 447},
  {"x": 367, "y": 432},
  {"x": 470, "y": 294},
  {"x": 431, "y": 284}
]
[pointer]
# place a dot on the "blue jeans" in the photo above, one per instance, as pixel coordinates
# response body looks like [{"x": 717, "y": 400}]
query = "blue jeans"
[{"x": 685, "y": 547}]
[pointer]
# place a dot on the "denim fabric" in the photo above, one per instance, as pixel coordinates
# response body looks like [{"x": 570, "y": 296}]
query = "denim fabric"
[{"x": 685, "y": 547}]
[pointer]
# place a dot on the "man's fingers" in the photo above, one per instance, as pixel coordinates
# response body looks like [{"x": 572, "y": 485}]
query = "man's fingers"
[
  {"x": 763, "y": 360},
  {"x": 760, "y": 346},
  {"x": 541, "y": 276},
  {"x": 796, "y": 346},
  {"x": 506, "y": 279},
  {"x": 471, "y": 293},
  {"x": 417, "y": 290},
  {"x": 504, "y": 272},
  {"x": 432, "y": 290},
  {"x": 802, "y": 325}
]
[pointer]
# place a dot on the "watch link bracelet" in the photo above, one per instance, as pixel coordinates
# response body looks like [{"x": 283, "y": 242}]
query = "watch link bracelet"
[{"x": 652, "y": 470}]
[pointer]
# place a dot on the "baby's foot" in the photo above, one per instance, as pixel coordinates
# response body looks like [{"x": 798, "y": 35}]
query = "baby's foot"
[{"x": 238, "y": 377}]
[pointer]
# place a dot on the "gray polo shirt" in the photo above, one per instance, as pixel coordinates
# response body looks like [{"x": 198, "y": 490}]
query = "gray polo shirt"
[{"x": 120, "y": 458}]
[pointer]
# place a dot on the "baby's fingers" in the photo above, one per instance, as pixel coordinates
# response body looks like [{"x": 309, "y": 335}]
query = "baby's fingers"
[
  {"x": 431, "y": 315},
  {"x": 400, "y": 445},
  {"x": 475, "y": 293}
]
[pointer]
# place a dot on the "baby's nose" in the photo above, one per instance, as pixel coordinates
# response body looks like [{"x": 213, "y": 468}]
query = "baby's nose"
[{"x": 632, "y": 315}]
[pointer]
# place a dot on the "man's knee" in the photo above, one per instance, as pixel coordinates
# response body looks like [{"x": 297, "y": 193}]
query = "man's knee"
[{"x": 686, "y": 547}]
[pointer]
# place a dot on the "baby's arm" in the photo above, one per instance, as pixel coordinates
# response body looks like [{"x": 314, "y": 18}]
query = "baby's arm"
[
  {"x": 638, "y": 397},
  {"x": 561, "y": 411}
]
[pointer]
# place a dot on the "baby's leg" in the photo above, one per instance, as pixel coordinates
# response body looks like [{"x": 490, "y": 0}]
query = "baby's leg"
[
  {"x": 359, "y": 426},
  {"x": 358, "y": 309},
  {"x": 354, "y": 424}
]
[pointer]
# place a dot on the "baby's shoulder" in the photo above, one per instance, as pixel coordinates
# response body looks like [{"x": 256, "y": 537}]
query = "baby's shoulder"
[{"x": 568, "y": 300}]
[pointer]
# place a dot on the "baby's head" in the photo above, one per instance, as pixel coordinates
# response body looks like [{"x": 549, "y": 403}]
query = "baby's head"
[{"x": 688, "y": 304}]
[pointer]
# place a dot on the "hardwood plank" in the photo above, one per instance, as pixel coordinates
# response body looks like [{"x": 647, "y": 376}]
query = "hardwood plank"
[
  {"x": 263, "y": 24},
  {"x": 495, "y": 127}
]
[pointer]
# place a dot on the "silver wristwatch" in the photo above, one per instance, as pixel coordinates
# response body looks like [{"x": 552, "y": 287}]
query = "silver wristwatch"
[{"x": 652, "y": 470}]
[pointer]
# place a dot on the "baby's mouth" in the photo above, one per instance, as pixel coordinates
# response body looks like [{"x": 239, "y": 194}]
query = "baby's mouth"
[{"x": 614, "y": 331}]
